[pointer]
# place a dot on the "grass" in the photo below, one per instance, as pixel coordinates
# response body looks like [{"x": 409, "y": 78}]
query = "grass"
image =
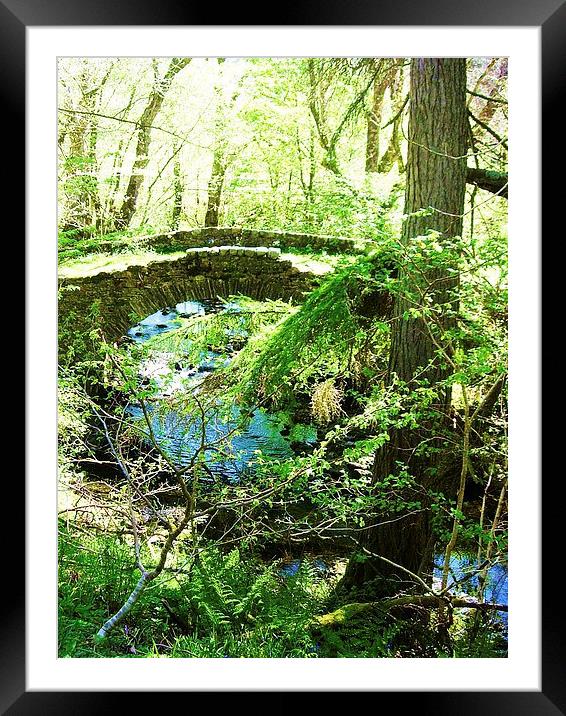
[
  {"x": 316, "y": 263},
  {"x": 97, "y": 263}
]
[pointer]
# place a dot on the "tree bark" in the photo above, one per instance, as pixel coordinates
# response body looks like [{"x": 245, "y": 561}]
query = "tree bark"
[
  {"x": 215, "y": 185},
  {"x": 491, "y": 107},
  {"x": 82, "y": 208},
  {"x": 428, "y": 601},
  {"x": 436, "y": 179},
  {"x": 393, "y": 152},
  {"x": 177, "y": 208},
  {"x": 374, "y": 122},
  {"x": 221, "y": 156}
]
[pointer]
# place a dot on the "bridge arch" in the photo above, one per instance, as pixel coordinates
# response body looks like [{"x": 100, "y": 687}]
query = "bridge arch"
[{"x": 123, "y": 297}]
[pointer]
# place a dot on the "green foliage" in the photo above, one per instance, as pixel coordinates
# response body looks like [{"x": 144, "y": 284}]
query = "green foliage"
[
  {"x": 73, "y": 415},
  {"x": 477, "y": 637},
  {"x": 231, "y": 594},
  {"x": 80, "y": 349},
  {"x": 324, "y": 337},
  {"x": 373, "y": 633},
  {"x": 364, "y": 637},
  {"x": 95, "y": 571},
  {"x": 76, "y": 243}
]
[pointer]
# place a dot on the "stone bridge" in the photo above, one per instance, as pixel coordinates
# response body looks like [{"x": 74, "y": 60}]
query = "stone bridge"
[
  {"x": 124, "y": 296},
  {"x": 229, "y": 236}
]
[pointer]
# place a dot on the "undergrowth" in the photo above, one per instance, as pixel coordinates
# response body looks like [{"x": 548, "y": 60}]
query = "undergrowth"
[
  {"x": 230, "y": 605},
  {"x": 225, "y": 605}
]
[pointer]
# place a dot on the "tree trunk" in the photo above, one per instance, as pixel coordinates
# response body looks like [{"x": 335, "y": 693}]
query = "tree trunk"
[
  {"x": 374, "y": 122},
  {"x": 178, "y": 194},
  {"x": 222, "y": 155},
  {"x": 76, "y": 214},
  {"x": 436, "y": 178},
  {"x": 160, "y": 88},
  {"x": 398, "y": 100},
  {"x": 215, "y": 185},
  {"x": 490, "y": 107},
  {"x": 80, "y": 169}
]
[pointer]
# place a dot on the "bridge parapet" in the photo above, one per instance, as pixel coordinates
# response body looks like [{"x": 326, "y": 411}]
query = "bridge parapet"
[
  {"x": 237, "y": 236},
  {"x": 270, "y": 252}
]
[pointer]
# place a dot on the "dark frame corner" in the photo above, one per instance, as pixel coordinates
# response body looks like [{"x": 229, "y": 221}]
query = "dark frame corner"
[{"x": 550, "y": 16}]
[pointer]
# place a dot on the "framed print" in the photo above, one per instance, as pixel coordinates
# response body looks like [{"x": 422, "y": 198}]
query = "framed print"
[{"x": 165, "y": 95}]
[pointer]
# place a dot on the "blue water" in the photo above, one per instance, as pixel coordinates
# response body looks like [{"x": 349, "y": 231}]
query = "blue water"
[
  {"x": 290, "y": 569},
  {"x": 179, "y": 435},
  {"x": 496, "y": 584},
  {"x": 232, "y": 457},
  {"x": 167, "y": 319}
]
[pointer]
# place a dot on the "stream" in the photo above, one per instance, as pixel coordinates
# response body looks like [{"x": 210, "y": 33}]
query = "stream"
[{"x": 180, "y": 435}]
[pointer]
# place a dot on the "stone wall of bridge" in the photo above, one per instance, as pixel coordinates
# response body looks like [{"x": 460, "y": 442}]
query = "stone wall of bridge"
[{"x": 122, "y": 297}]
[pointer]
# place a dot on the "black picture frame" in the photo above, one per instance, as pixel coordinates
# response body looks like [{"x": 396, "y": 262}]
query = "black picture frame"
[{"x": 550, "y": 16}]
